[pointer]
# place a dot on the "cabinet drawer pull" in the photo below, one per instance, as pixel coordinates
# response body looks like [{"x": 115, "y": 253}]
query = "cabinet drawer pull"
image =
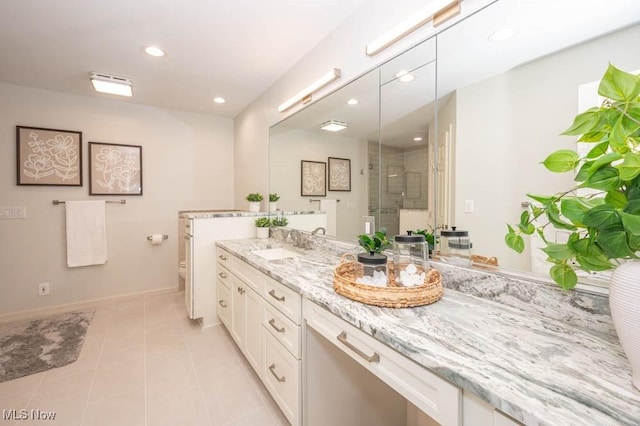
[
  {"x": 342, "y": 337},
  {"x": 221, "y": 302},
  {"x": 240, "y": 290},
  {"x": 272, "y": 323},
  {"x": 222, "y": 275},
  {"x": 272, "y": 293},
  {"x": 272, "y": 368},
  {"x": 222, "y": 257}
]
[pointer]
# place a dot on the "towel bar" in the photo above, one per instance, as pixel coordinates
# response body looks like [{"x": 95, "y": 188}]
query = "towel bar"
[
  {"x": 56, "y": 202},
  {"x": 164, "y": 237},
  {"x": 312, "y": 201}
]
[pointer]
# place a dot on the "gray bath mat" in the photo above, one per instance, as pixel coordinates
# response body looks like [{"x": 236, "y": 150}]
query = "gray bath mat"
[{"x": 39, "y": 344}]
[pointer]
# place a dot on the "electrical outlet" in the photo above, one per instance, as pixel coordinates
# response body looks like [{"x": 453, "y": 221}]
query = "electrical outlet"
[{"x": 43, "y": 289}]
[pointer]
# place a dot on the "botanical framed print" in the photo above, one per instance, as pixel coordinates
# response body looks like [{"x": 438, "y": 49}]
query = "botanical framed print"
[
  {"x": 313, "y": 179},
  {"x": 115, "y": 169},
  {"x": 339, "y": 174},
  {"x": 48, "y": 156}
]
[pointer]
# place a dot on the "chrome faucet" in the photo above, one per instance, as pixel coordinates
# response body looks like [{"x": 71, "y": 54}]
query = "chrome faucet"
[{"x": 318, "y": 229}]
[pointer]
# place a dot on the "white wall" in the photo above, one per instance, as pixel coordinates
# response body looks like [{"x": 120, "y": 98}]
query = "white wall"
[
  {"x": 187, "y": 164},
  {"x": 296, "y": 145},
  {"x": 508, "y": 124},
  {"x": 343, "y": 49}
]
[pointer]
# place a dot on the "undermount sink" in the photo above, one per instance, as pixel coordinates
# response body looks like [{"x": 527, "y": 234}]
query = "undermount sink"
[{"x": 275, "y": 253}]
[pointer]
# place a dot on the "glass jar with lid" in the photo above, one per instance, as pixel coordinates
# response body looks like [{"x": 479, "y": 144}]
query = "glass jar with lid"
[
  {"x": 410, "y": 259},
  {"x": 455, "y": 246},
  {"x": 372, "y": 269}
]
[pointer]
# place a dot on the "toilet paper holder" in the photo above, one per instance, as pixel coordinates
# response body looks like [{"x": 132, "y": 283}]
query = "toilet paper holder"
[{"x": 164, "y": 237}]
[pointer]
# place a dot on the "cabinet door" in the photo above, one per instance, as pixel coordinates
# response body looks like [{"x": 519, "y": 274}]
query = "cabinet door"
[
  {"x": 253, "y": 342},
  {"x": 238, "y": 320}
]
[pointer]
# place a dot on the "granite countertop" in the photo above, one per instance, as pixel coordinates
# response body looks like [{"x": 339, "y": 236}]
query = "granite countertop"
[
  {"x": 537, "y": 369},
  {"x": 200, "y": 214}
]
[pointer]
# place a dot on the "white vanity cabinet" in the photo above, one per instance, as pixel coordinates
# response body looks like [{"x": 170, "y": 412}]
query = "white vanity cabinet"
[{"x": 263, "y": 318}]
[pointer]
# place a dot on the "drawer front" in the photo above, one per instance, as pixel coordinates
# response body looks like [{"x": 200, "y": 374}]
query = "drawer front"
[
  {"x": 223, "y": 257},
  {"x": 224, "y": 303},
  {"x": 284, "y": 299},
  {"x": 438, "y": 398},
  {"x": 247, "y": 273},
  {"x": 224, "y": 275},
  {"x": 281, "y": 377},
  {"x": 283, "y": 329}
]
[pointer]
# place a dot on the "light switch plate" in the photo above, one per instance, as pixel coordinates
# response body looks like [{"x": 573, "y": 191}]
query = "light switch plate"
[
  {"x": 468, "y": 206},
  {"x": 13, "y": 212}
]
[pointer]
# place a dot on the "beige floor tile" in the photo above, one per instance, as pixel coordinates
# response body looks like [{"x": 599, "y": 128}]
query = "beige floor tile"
[
  {"x": 121, "y": 409},
  {"x": 124, "y": 335},
  {"x": 184, "y": 408},
  {"x": 214, "y": 346},
  {"x": 26, "y": 384},
  {"x": 87, "y": 360},
  {"x": 163, "y": 337},
  {"x": 220, "y": 376},
  {"x": 259, "y": 417},
  {"x": 112, "y": 381},
  {"x": 231, "y": 404},
  {"x": 169, "y": 373},
  {"x": 126, "y": 356},
  {"x": 100, "y": 322}
]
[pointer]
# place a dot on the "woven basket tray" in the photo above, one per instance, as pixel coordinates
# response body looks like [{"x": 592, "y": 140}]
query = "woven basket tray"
[{"x": 390, "y": 297}]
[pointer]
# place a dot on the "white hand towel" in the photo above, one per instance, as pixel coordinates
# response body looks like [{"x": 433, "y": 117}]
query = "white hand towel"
[
  {"x": 330, "y": 207},
  {"x": 86, "y": 233}
]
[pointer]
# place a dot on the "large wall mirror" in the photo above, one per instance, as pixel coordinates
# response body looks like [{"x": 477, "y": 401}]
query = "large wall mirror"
[{"x": 456, "y": 139}]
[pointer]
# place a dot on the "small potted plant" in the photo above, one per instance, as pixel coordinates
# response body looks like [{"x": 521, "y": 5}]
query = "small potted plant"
[
  {"x": 262, "y": 227},
  {"x": 273, "y": 198},
  {"x": 254, "y": 200},
  {"x": 279, "y": 221},
  {"x": 429, "y": 237}
]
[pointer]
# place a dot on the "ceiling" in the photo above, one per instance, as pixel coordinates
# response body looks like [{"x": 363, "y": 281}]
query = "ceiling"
[{"x": 233, "y": 49}]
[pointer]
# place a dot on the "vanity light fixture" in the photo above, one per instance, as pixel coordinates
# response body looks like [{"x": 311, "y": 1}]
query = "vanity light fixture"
[
  {"x": 437, "y": 11},
  {"x": 404, "y": 76},
  {"x": 333, "y": 125},
  {"x": 502, "y": 34},
  {"x": 219, "y": 100},
  {"x": 305, "y": 94},
  {"x": 111, "y": 84},
  {"x": 353, "y": 101},
  {"x": 154, "y": 51}
]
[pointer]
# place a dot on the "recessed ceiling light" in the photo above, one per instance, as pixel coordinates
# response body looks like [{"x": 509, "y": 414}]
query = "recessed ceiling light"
[
  {"x": 353, "y": 101},
  {"x": 219, "y": 100},
  {"x": 502, "y": 35},
  {"x": 417, "y": 139},
  {"x": 154, "y": 51},
  {"x": 333, "y": 125},
  {"x": 404, "y": 76},
  {"x": 111, "y": 84}
]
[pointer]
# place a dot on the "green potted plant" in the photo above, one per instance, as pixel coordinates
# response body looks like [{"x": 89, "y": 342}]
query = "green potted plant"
[
  {"x": 262, "y": 227},
  {"x": 373, "y": 261},
  {"x": 279, "y": 221},
  {"x": 429, "y": 237},
  {"x": 602, "y": 211},
  {"x": 273, "y": 198},
  {"x": 254, "y": 200}
]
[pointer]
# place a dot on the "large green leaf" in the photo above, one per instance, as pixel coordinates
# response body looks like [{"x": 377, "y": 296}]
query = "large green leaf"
[
  {"x": 605, "y": 179},
  {"x": 617, "y": 199},
  {"x": 514, "y": 241},
  {"x": 604, "y": 160},
  {"x": 561, "y": 161},
  {"x": 583, "y": 172},
  {"x": 525, "y": 226},
  {"x": 633, "y": 207},
  {"x": 618, "y": 138},
  {"x": 585, "y": 122},
  {"x": 598, "y": 150},
  {"x": 544, "y": 200},
  {"x": 593, "y": 137},
  {"x": 564, "y": 276},
  {"x": 619, "y": 85},
  {"x": 630, "y": 166},
  {"x": 601, "y": 217},
  {"x": 558, "y": 251},
  {"x": 574, "y": 208},
  {"x": 590, "y": 263},
  {"x": 631, "y": 222},
  {"x": 553, "y": 214},
  {"x": 614, "y": 243}
]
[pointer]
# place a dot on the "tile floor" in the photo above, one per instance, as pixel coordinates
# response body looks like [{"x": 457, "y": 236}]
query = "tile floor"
[{"x": 144, "y": 363}]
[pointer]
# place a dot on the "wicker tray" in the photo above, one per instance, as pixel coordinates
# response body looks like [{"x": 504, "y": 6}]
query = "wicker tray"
[{"x": 390, "y": 297}]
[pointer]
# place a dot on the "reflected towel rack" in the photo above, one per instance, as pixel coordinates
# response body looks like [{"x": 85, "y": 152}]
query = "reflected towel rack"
[
  {"x": 56, "y": 202},
  {"x": 312, "y": 201}
]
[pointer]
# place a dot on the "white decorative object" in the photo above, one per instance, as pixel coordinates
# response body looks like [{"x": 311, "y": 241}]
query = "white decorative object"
[
  {"x": 262, "y": 232},
  {"x": 624, "y": 300},
  {"x": 254, "y": 206},
  {"x": 273, "y": 206}
]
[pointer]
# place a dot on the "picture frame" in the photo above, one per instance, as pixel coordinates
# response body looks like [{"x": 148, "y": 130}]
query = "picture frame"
[
  {"x": 115, "y": 169},
  {"x": 313, "y": 178},
  {"x": 51, "y": 157},
  {"x": 339, "y": 174}
]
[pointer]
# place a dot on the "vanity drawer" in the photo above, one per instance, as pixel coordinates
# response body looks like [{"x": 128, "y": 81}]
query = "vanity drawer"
[
  {"x": 223, "y": 257},
  {"x": 247, "y": 273},
  {"x": 284, "y": 299},
  {"x": 224, "y": 303},
  {"x": 281, "y": 377},
  {"x": 283, "y": 329},
  {"x": 224, "y": 276},
  {"x": 438, "y": 398}
]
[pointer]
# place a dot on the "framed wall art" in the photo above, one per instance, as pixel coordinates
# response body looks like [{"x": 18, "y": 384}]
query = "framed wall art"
[
  {"x": 48, "y": 156},
  {"x": 115, "y": 169},
  {"x": 313, "y": 179},
  {"x": 339, "y": 174}
]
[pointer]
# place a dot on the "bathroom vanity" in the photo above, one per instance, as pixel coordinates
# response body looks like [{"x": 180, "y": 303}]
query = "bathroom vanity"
[{"x": 492, "y": 351}]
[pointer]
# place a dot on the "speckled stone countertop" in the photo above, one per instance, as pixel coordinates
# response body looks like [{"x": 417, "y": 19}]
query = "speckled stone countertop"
[
  {"x": 517, "y": 348},
  {"x": 199, "y": 214}
]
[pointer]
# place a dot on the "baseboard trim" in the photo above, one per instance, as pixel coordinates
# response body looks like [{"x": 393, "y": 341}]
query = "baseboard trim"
[{"x": 19, "y": 315}]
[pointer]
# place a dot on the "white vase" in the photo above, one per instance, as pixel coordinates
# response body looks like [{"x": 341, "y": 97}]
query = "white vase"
[
  {"x": 254, "y": 206},
  {"x": 262, "y": 232},
  {"x": 273, "y": 206},
  {"x": 624, "y": 300}
]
